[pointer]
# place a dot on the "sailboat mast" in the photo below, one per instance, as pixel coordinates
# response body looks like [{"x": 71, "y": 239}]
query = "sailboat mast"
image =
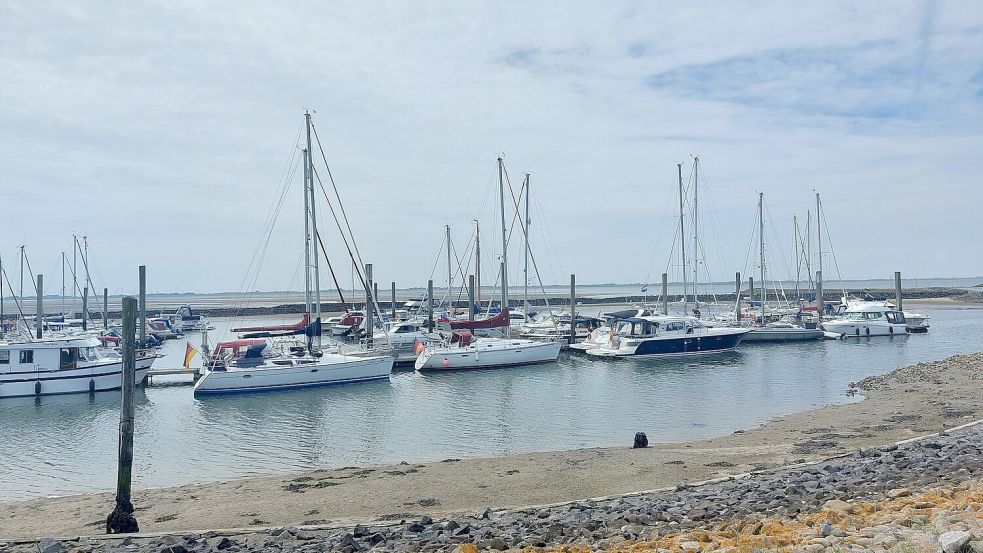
[
  {"x": 62, "y": 283},
  {"x": 477, "y": 261},
  {"x": 682, "y": 236},
  {"x": 819, "y": 232},
  {"x": 696, "y": 229},
  {"x": 525, "y": 271},
  {"x": 812, "y": 285},
  {"x": 505, "y": 243},
  {"x": 307, "y": 239},
  {"x": 447, "y": 229},
  {"x": 75, "y": 270},
  {"x": 317, "y": 270},
  {"x": 798, "y": 258},
  {"x": 761, "y": 253},
  {"x": 1, "y": 296},
  {"x": 21, "y": 294}
]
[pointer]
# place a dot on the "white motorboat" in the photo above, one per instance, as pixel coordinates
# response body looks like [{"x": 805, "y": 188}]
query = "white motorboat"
[
  {"x": 61, "y": 365},
  {"x": 251, "y": 365},
  {"x": 186, "y": 320},
  {"x": 661, "y": 335},
  {"x": 916, "y": 322},
  {"x": 782, "y": 331},
  {"x": 867, "y": 318},
  {"x": 403, "y": 339}
]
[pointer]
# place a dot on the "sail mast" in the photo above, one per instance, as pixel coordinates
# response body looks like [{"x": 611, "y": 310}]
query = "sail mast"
[
  {"x": 307, "y": 239},
  {"x": 447, "y": 229},
  {"x": 682, "y": 236},
  {"x": 317, "y": 270},
  {"x": 505, "y": 263},
  {"x": 696, "y": 228},
  {"x": 761, "y": 253},
  {"x": 477, "y": 261},
  {"x": 819, "y": 232},
  {"x": 62, "y": 283},
  {"x": 798, "y": 258},
  {"x": 525, "y": 271}
]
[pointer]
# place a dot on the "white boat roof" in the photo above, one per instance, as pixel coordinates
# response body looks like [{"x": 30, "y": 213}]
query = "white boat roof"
[
  {"x": 867, "y": 307},
  {"x": 52, "y": 342}
]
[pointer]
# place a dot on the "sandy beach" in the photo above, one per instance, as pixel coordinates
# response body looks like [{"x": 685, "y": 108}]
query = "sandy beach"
[{"x": 911, "y": 401}]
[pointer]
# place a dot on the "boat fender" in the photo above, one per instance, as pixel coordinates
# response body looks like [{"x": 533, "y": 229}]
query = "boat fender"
[
  {"x": 891, "y": 330},
  {"x": 92, "y": 385},
  {"x": 858, "y": 331},
  {"x": 37, "y": 388},
  {"x": 867, "y": 330}
]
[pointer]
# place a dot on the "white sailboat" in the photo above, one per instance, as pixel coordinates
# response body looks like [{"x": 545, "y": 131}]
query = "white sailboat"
[
  {"x": 462, "y": 350},
  {"x": 267, "y": 359}
]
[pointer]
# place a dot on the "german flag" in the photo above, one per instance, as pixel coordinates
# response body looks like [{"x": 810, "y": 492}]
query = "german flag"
[{"x": 189, "y": 353}]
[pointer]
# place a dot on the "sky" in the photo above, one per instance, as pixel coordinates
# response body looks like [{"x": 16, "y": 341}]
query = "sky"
[{"x": 163, "y": 133}]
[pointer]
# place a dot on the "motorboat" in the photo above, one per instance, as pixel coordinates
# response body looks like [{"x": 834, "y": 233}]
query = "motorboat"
[
  {"x": 782, "y": 331},
  {"x": 186, "y": 320},
  {"x": 867, "y": 318},
  {"x": 62, "y": 365},
  {"x": 265, "y": 364},
  {"x": 348, "y": 324},
  {"x": 404, "y": 339},
  {"x": 663, "y": 335},
  {"x": 916, "y": 322}
]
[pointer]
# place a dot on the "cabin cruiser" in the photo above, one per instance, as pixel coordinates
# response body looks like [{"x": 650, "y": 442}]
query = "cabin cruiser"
[
  {"x": 62, "y": 365},
  {"x": 782, "y": 331},
  {"x": 867, "y": 319},
  {"x": 348, "y": 324},
  {"x": 663, "y": 335},
  {"x": 186, "y": 320},
  {"x": 558, "y": 328}
]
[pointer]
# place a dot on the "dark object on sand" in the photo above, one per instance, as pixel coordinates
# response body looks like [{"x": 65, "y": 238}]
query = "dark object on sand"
[{"x": 641, "y": 440}]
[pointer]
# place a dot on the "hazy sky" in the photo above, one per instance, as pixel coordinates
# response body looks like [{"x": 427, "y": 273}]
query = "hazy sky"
[{"x": 162, "y": 132}]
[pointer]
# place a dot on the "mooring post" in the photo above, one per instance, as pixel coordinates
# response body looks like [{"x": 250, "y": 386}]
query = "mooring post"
[
  {"x": 573, "y": 308},
  {"x": 143, "y": 306},
  {"x": 85, "y": 308},
  {"x": 665, "y": 293},
  {"x": 393, "y": 306},
  {"x": 470, "y": 297},
  {"x": 820, "y": 306},
  {"x": 897, "y": 290},
  {"x": 121, "y": 520},
  {"x": 105, "y": 308},
  {"x": 430, "y": 305},
  {"x": 39, "y": 322},
  {"x": 369, "y": 305}
]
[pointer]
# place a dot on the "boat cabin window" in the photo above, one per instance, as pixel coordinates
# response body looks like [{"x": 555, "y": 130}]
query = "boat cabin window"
[
  {"x": 895, "y": 317},
  {"x": 4, "y": 357},
  {"x": 402, "y": 329},
  {"x": 26, "y": 356},
  {"x": 675, "y": 325},
  {"x": 874, "y": 315},
  {"x": 69, "y": 356}
]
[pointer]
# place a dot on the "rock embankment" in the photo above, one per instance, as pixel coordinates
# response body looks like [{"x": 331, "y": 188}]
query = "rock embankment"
[{"x": 920, "y": 496}]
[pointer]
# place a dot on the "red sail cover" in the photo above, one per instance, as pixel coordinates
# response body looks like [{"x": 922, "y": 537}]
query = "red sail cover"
[
  {"x": 298, "y": 326},
  {"x": 500, "y": 320}
]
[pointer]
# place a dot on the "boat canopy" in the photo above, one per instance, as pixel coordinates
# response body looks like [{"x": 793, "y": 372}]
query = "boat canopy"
[
  {"x": 462, "y": 338},
  {"x": 500, "y": 320},
  {"x": 235, "y": 345}
]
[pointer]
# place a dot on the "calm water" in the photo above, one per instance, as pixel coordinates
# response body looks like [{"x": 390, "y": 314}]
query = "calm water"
[{"x": 67, "y": 444}]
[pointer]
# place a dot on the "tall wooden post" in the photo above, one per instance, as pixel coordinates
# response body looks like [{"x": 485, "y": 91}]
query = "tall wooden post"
[
  {"x": 897, "y": 290},
  {"x": 573, "y": 308},
  {"x": 665, "y": 293},
  {"x": 85, "y": 308},
  {"x": 105, "y": 308},
  {"x": 470, "y": 297},
  {"x": 143, "y": 306},
  {"x": 39, "y": 322},
  {"x": 430, "y": 305},
  {"x": 121, "y": 520},
  {"x": 393, "y": 305},
  {"x": 369, "y": 305}
]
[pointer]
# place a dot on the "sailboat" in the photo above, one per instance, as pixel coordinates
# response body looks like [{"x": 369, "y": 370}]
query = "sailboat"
[
  {"x": 780, "y": 330},
  {"x": 269, "y": 358},
  {"x": 462, "y": 350}
]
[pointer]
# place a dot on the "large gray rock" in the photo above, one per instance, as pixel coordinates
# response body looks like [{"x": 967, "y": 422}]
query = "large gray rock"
[
  {"x": 48, "y": 545},
  {"x": 953, "y": 542}
]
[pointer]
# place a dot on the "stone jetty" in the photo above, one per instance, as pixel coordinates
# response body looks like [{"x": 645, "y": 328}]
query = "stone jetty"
[{"x": 925, "y": 495}]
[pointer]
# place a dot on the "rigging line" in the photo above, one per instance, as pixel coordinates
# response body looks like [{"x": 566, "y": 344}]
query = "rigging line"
[
  {"x": 831, "y": 251},
  {"x": 778, "y": 242},
  {"x": 529, "y": 251},
  {"x": 334, "y": 278},
  {"x": 18, "y": 304}
]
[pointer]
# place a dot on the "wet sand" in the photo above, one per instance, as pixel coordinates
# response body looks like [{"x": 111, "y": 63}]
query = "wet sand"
[{"x": 908, "y": 402}]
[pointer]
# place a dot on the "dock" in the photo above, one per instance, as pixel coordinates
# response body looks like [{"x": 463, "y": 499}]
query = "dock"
[{"x": 172, "y": 372}]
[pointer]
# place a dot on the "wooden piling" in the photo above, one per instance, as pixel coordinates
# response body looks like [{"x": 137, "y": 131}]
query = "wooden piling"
[
  {"x": 430, "y": 305},
  {"x": 85, "y": 308},
  {"x": 121, "y": 520},
  {"x": 573, "y": 308},
  {"x": 470, "y": 297},
  {"x": 143, "y": 306},
  {"x": 665, "y": 293},
  {"x": 897, "y": 290},
  {"x": 39, "y": 322},
  {"x": 369, "y": 306},
  {"x": 105, "y": 308},
  {"x": 393, "y": 305}
]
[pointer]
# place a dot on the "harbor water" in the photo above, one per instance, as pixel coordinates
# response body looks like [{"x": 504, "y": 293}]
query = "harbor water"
[{"x": 67, "y": 444}]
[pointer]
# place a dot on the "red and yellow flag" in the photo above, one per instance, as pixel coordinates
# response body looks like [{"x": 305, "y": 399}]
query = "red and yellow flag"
[{"x": 189, "y": 353}]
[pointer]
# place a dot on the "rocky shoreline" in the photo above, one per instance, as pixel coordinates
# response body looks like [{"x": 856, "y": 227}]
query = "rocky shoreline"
[{"x": 922, "y": 495}]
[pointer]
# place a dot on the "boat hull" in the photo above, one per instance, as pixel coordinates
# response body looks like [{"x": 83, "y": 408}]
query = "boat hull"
[
  {"x": 328, "y": 370},
  {"x": 100, "y": 378},
  {"x": 478, "y": 357},
  {"x": 863, "y": 330},
  {"x": 691, "y": 344},
  {"x": 783, "y": 335}
]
